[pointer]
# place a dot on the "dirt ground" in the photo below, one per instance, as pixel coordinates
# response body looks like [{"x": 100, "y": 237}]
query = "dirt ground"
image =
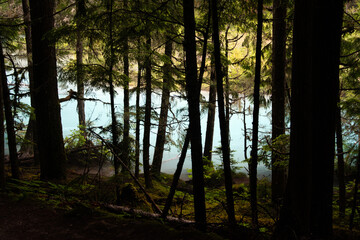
[{"x": 30, "y": 220}]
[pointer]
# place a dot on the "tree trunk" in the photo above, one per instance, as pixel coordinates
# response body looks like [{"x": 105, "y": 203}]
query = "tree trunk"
[
  {"x": 110, "y": 65},
  {"x": 355, "y": 192},
  {"x": 14, "y": 161},
  {"x": 80, "y": 14},
  {"x": 176, "y": 176},
  {"x": 209, "y": 137},
  {"x": 278, "y": 173},
  {"x": 47, "y": 108},
  {"x": 193, "y": 92},
  {"x": 227, "y": 83},
  {"x": 307, "y": 209},
  {"x": 161, "y": 134},
  {"x": 30, "y": 145},
  {"x": 225, "y": 146},
  {"x": 137, "y": 130},
  {"x": 340, "y": 163},
  {"x": 2, "y": 133},
  {"x": 126, "y": 137},
  {"x": 147, "y": 121},
  {"x": 254, "y": 154}
]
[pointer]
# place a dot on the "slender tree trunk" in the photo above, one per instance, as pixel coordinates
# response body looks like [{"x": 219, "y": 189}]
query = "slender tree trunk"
[
  {"x": 340, "y": 163},
  {"x": 307, "y": 209},
  {"x": 126, "y": 137},
  {"x": 110, "y": 66},
  {"x": 161, "y": 134},
  {"x": 193, "y": 91},
  {"x": 278, "y": 175},
  {"x": 47, "y": 108},
  {"x": 227, "y": 84},
  {"x": 254, "y": 154},
  {"x": 30, "y": 146},
  {"x": 137, "y": 130},
  {"x": 147, "y": 121},
  {"x": 2, "y": 133},
  {"x": 245, "y": 128},
  {"x": 14, "y": 161},
  {"x": 80, "y": 14},
  {"x": 176, "y": 176},
  {"x": 355, "y": 192},
  {"x": 225, "y": 146},
  {"x": 210, "y": 119}
]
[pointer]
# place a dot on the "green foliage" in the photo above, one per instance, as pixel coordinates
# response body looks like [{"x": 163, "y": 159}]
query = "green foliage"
[{"x": 280, "y": 146}]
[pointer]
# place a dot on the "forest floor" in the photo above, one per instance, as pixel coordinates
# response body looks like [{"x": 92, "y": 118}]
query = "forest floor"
[{"x": 32, "y": 220}]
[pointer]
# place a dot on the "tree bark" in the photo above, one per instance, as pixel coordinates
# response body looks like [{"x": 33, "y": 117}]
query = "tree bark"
[
  {"x": 30, "y": 147},
  {"x": 307, "y": 209},
  {"x": 161, "y": 134},
  {"x": 340, "y": 163},
  {"x": 137, "y": 130},
  {"x": 2, "y": 133},
  {"x": 126, "y": 136},
  {"x": 80, "y": 14},
  {"x": 47, "y": 108},
  {"x": 355, "y": 191},
  {"x": 147, "y": 120},
  {"x": 209, "y": 137},
  {"x": 193, "y": 91},
  {"x": 278, "y": 173},
  {"x": 225, "y": 146},
  {"x": 14, "y": 161},
  {"x": 176, "y": 176},
  {"x": 254, "y": 154},
  {"x": 110, "y": 65}
]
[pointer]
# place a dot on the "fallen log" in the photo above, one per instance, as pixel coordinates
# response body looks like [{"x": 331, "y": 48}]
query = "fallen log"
[{"x": 122, "y": 209}]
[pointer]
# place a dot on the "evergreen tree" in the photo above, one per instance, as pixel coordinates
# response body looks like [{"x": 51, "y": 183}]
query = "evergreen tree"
[{"x": 47, "y": 107}]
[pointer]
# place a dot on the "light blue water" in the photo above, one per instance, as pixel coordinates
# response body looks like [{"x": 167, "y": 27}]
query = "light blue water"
[{"x": 98, "y": 114}]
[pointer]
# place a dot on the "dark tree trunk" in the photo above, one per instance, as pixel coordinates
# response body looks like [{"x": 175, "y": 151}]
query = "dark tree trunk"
[
  {"x": 225, "y": 146},
  {"x": 30, "y": 145},
  {"x": 307, "y": 208},
  {"x": 47, "y": 108},
  {"x": 137, "y": 130},
  {"x": 126, "y": 137},
  {"x": 254, "y": 154},
  {"x": 14, "y": 161},
  {"x": 193, "y": 92},
  {"x": 176, "y": 176},
  {"x": 210, "y": 119},
  {"x": 161, "y": 134},
  {"x": 2, "y": 133},
  {"x": 355, "y": 191},
  {"x": 278, "y": 174},
  {"x": 110, "y": 65},
  {"x": 80, "y": 14},
  {"x": 227, "y": 84},
  {"x": 147, "y": 121},
  {"x": 340, "y": 163}
]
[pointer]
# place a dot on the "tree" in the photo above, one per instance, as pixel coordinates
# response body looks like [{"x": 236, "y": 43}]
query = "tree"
[
  {"x": 31, "y": 134},
  {"x": 254, "y": 155},
  {"x": 47, "y": 108},
  {"x": 165, "y": 97},
  {"x": 147, "y": 120},
  {"x": 79, "y": 17},
  {"x": 225, "y": 146},
  {"x": 193, "y": 91},
  {"x": 14, "y": 161},
  {"x": 278, "y": 174},
  {"x": 126, "y": 136},
  {"x": 307, "y": 209},
  {"x": 2, "y": 142},
  {"x": 209, "y": 136}
]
